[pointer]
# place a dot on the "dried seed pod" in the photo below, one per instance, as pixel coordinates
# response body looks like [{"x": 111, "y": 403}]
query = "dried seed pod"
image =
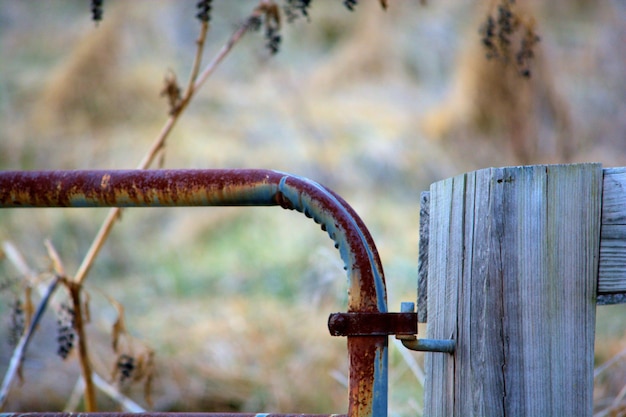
[
  {"x": 65, "y": 332},
  {"x": 294, "y": 9},
  {"x": 125, "y": 365},
  {"x": 350, "y": 4},
  {"x": 97, "y": 10},
  {"x": 509, "y": 36},
  {"x": 273, "y": 39},
  {"x": 254, "y": 23},
  {"x": 18, "y": 323},
  {"x": 172, "y": 91},
  {"x": 270, "y": 13},
  {"x": 204, "y": 10},
  {"x": 488, "y": 33},
  {"x": 526, "y": 52}
]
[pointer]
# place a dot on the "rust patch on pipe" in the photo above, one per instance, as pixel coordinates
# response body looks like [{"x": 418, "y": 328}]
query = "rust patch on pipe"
[{"x": 163, "y": 414}]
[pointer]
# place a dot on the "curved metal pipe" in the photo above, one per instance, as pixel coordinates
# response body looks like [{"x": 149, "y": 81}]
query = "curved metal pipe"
[{"x": 167, "y": 188}]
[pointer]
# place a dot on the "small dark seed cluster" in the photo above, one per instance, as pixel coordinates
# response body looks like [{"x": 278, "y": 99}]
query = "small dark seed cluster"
[
  {"x": 204, "y": 10},
  {"x": 273, "y": 38},
  {"x": 18, "y": 323},
  {"x": 6, "y": 283},
  {"x": 96, "y": 10},
  {"x": 267, "y": 14},
  {"x": 488, "y": 31},
  {"x": 497, "y": 31},
  {"x": 294, "y": 9},
  {"x": 526, "y": 52},
  {"x": 507, "y": 23},
  {"x": 126, "y": 366},
  {"x": 254, "y": 23},
  {"x": 497, "y": 37},
  {"x": 350, "y": 4},
  {"x": 272, "y": 33},
  {"x": 172, "y": 91},
  {"x": 66, "y": 333}
]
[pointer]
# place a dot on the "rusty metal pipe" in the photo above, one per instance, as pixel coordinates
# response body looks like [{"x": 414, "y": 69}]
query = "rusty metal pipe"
[
  {"x": 49, "y": 414},
  {"x": 168, "y": 188}
]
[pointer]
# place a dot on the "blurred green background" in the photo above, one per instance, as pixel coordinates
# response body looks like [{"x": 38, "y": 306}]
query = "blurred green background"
[{"x": 375, "y": 105}]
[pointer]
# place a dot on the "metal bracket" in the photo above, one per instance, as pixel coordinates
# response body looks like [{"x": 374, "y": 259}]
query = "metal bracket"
[
  {"x": 372, "y": 324},
  {"x": 403, "y": 325}
]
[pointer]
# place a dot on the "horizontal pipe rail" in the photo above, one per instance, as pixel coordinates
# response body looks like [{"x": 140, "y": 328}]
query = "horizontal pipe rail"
[
  {"x": 175, "y": 188},
  {"x": 48, "y": 414}
]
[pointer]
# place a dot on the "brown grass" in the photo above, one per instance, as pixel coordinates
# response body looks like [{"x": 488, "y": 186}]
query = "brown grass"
[{"x": 524, "y": 118}]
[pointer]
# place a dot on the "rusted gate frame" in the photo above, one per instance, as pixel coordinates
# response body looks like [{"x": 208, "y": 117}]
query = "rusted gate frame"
[
  {"x": 177, "y": 188},
  {"x": 166, "y": 415}
]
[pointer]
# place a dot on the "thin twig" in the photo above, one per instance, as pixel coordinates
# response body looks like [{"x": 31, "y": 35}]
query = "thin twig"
[
  {"x": 128, "y": 404},
  {"x": 110, "y": 390},
  {"x": 147, "y": 160},
  {"x": 59, "y": 269},
  {"x": 77, "y": 394},
  {"x": 235, "y": 37},
  {"x": 18, "y": 353},
  {"x": 601, "y": 368},
  {"x": 195, "y": 82},
  {"x": 46, "y": 291},
  {"x": 618, "y": 399},
  {"x": 415, "y": 368},
  {"x": 83, "y": 353},
  {"x": 114, "y": 213},
  {"x": 18, "y": 261},
  {"x": 75, "y": 291},
  {"x": 195, "y": 69},
  {"x": 96, "y": 245}
]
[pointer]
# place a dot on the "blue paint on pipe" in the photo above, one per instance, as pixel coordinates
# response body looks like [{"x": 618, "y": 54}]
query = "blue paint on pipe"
[
  {"x": 306, "y": 205},
  {"x": 380, "y": 397}
]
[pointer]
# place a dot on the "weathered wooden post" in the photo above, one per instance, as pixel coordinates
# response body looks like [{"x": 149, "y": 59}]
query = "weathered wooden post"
[{"x": 512, "y": 277}]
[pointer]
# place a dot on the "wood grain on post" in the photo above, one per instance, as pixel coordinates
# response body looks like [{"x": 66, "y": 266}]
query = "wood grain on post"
[
  {"x": 612, "y": 273},
  {"x": 512, "y": 271}
]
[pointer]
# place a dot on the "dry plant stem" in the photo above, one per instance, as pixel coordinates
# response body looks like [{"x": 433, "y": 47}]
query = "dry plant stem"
[
  {"x": 16, "y": 258},
  {"x": 96, "y": 245},
  {"x": 195, "y": 82},
  {"x": 18, "y": 353},
  {"x": 114, "y": 213},
  {"x": 195, "y": 69},
  {"x": 28, "y": 307},
  {"x": 75, "y": 396},
  {"x": 105, "y": 229},
  {"x": 410, "y": 361},
  {"x": 157, "y": 145},
  {"x": 46, "y": 291},
  {"x": 609, "y": 363},
  {"x": 56, "y": 259},
  {"x": 83, "y": 355},
  {"x": 128, "y": 404},
  {"x": 235, "y": 37}
]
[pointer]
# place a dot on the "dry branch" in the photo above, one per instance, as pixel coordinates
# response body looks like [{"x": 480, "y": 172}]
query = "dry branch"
[
  {"x": 75, "y": 286},
  {"x": 18, "y": 353}
]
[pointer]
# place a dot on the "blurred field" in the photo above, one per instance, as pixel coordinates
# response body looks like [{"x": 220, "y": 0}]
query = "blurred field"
[{"x": 376, "y": 105}]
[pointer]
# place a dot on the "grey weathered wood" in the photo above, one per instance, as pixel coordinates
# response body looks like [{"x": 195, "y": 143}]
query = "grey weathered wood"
[
  {"x": 513, "y": 260},
  {"x": 612, "y": 263},
  {"x": 612, "y": 268},
  {"x": 444, "y": 253},
  {"x": 422, "y": 259},
  {"x": 614, "y": 197}
]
